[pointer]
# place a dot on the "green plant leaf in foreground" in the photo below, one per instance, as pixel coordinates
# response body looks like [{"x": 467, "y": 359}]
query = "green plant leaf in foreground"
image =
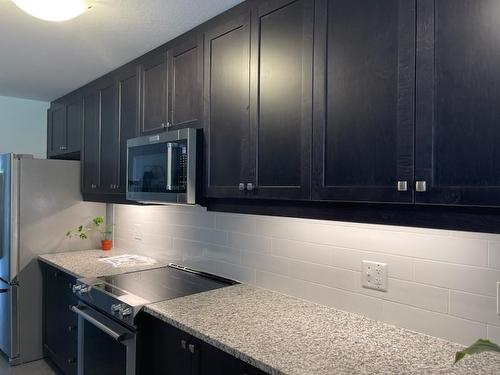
[{"x": 479, "y": 346}]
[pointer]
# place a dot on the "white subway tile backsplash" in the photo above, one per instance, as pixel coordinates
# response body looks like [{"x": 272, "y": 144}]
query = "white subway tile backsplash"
[
  {"x": 493, "y": 334},
  {"x": 435, "y": 324},
  {"x": 474, "y": 307},
  {"x": 441, "y": 282},
  {"x": 453, "y": 276}
]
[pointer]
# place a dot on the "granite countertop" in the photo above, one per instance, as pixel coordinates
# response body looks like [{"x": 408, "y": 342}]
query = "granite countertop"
[
  {"x": 85, "y": 263},
  {"x": 286, "y": 335}
]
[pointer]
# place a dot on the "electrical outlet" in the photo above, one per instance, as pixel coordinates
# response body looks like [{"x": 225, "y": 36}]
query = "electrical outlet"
[
  {"x": 498, "y": 297},
  {"x": 374, "y": 275}
]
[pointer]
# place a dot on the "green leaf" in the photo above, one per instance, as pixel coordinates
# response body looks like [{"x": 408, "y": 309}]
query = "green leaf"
[
  {"x": 80, "y": 228},
  {"x": 83, "y": 236},
  {"x": 479, "y": 346},
  {"x": 98, "y": 221},
  {"x": 68, "y": 233}
]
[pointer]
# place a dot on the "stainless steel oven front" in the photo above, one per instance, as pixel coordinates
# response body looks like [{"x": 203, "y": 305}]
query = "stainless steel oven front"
[
  {"x": 104, "y": 345},
  {"x": 162, "y": 168}
]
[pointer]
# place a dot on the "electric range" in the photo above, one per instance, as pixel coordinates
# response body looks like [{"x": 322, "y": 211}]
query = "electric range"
[{"x": 122, "y": 296}]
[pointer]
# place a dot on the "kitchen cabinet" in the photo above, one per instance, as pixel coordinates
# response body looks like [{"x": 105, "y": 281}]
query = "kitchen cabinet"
[
  {"x": 185, "y": 82},
  {"x": 227, "y": 100},
  {"x": 164, "y": 349},
  {"x": 109, "y": 163},
  {"x": 458, "y": 107},
  {"x": 64, "y": 129},
  {"x": 153, "y": 93},
  {"x": 60, "y": 324},
  {"x": 281, "y": 99},
  {"x": 56, "y": 142},
  {"x": 364, "y": 100},
  {"x": 91, "y": 154},
  {"x": 128, "y": 94}
]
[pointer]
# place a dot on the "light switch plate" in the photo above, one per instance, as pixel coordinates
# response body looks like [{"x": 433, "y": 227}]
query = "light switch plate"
[{"x": 374, "y": 275}]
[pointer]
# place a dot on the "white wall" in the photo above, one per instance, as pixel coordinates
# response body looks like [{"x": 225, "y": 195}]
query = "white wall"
[
  {"x": 442, "y": 283},
  {"x": 23, "y": 126}
]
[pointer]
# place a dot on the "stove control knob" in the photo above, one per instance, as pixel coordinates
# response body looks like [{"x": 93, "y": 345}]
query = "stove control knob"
[
  {"x": 76, "y": 288},
  {"x": 84, "y": 289},
  {"x": 125, "y": 311},
  {"x": 115, "y": 308}
]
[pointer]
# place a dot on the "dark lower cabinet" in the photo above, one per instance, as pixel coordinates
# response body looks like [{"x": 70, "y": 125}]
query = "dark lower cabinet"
[
  {"x": 458, "y": 103},
  {"x": 227, "y": 101},
  {"x": 364, "y": 100},
  {"x": 60, "y": 323},
  {"x": 164, "y": 349}
]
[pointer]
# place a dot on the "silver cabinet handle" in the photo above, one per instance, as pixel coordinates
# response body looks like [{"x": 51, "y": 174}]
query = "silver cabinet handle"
[
  {"x": 250, "y": 186},
  {"x": 93, "y": 186},
  {"x": 241, "y": 186},
  {"x": 192, "y": 348},
  {"x": 163, "y": 125},
  {"x": 169, "y": 125},
  {"x": 62, "y": 148},
  {"x": 402, "y": 185},
  {"x": 183, "y": 344},
  {"x": 421, "y": 186}
]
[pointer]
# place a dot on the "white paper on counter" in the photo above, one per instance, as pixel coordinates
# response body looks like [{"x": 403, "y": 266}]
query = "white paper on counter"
[{"x": 128, "y": 260}]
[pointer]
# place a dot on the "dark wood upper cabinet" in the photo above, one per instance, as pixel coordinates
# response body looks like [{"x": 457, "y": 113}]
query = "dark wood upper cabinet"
[
  {"x": 458, "y": 102},
  {"x": 364, "y": 100},
  {"x": 56, "y": 142},
  {"x": 110, "y": 136},
  {"x": 281, "y": 99},
  {"x": 153, "y": 93},
  {"x": 91, "y": 154},
  {"x": 226, "y": 98},
  {"x": 74, "y": 122},
  {"x": 128, "y": 94},
  {"x": 185, "y": 83}
]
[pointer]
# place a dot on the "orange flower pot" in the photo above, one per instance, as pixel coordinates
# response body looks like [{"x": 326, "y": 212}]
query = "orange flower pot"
[{"x": 106, "y": 245}]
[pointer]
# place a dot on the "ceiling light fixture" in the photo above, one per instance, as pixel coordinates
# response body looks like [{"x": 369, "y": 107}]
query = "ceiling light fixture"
[{"x": 53, "y": 10}]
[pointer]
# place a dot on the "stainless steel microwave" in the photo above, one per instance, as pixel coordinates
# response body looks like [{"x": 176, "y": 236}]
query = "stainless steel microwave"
[{"x": 162, "y": 168}]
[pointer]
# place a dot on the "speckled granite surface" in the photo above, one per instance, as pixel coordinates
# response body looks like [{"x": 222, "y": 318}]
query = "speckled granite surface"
[
  {"x": 285, "y": 335},
  {"x": 85, "y": 263}
]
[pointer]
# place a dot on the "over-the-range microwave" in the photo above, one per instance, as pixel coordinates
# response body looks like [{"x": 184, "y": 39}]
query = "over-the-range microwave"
[{"x": 162, "y": 168}]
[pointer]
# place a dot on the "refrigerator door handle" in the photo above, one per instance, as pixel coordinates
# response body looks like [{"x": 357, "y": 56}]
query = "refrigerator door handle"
[{"x": 4, "y": 290}]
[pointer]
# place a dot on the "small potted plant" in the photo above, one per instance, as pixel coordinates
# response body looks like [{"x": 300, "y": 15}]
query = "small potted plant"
[{"x": 97, "y": 224}]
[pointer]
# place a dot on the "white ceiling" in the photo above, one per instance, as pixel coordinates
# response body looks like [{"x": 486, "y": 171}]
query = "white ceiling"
[{"x": 44, "y": 60}]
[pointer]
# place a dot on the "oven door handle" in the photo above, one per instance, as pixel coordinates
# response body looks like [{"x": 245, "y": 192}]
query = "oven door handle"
[{"x": 115, "y": 335}]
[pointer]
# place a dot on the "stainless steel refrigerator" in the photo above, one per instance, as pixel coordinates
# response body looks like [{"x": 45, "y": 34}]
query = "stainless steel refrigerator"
[{"x": 39, "y": 201}]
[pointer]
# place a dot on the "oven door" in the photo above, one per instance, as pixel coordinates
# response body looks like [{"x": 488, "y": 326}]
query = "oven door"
[{"x": 104, "y": 346}]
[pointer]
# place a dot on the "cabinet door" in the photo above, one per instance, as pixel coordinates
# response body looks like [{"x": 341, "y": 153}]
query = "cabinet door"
[
  {"x": 226, "y": 97},
  {"x": 185, "y": 73},
  {"x": 57, "y": 130},
  {"x": 364, "y": 100},
  {"x": 281, "y": 101},
  {"x": 458, "y": 102},
  {"x": 154, "y": 91},
  {"x": 128, "y": 93},
  {"x": 74, "y": 126},
  {"x": 91, "y": 144},
  {"x": 60, "y": 324},
  {"x": 110, "y": 137}
]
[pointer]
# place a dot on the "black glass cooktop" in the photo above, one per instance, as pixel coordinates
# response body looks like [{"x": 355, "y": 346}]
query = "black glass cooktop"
[{"x": 160, "y": 284}]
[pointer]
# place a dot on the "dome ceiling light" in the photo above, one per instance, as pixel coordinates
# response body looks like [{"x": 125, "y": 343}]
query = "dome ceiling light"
[{"x": 53, "y": 10}]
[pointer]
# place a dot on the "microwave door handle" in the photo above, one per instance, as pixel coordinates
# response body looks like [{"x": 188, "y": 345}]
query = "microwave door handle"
[{"x": 170, "y": 158}]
